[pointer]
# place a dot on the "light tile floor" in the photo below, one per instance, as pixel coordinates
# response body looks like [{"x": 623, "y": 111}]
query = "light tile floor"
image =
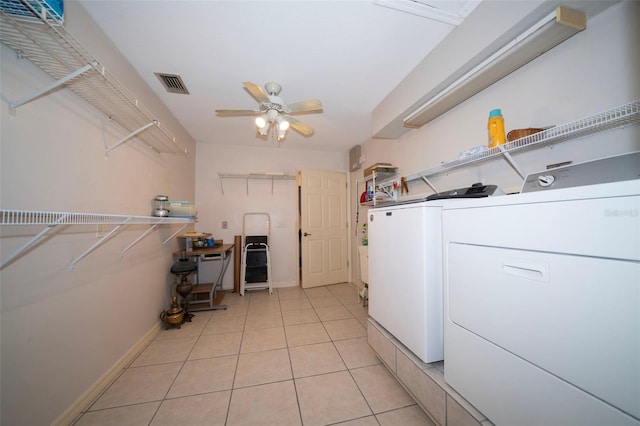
[{"x": 296, "y": 357}]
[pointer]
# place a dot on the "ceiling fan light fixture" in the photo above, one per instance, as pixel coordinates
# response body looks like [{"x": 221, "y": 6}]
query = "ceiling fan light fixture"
[
  {"x": 261, "y": 121},
  {"x": 272, "y": 115},
  {"x": 283, "y": 124}
]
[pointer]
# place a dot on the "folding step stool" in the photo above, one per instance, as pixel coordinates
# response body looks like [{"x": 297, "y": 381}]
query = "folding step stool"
[{"x": 255, "y": 272}]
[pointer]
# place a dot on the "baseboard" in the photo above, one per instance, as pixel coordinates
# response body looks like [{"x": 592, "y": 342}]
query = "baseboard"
[
  {"x": 273, "y": 285},
  {"x": 83, "y": 402},
  {"x": 285, "y": 284}
]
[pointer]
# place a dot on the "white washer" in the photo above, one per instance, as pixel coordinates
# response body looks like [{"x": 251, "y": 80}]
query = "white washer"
[
  {"x": 542, "y": 305},
  {"x": 405, "y": 274},
  {"x": 405, "y": 268}
]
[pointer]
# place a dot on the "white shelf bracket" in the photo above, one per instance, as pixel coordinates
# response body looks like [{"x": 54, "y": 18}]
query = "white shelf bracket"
[
  {"x": 129, "y": 136},
  {"x": 512, "y": 162},
  {"x": 97, "y": 243},
  {"x": 424, "y": 178},
  {"x": 144, "y": 234},
  {"x": 174, "y": 234},
  {"x": 15, "y": 105},
  {"x": 33, "y": 241}
]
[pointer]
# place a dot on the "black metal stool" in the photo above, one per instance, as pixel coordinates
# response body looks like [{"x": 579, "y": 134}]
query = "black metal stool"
[{"x": 182, "y": 269}]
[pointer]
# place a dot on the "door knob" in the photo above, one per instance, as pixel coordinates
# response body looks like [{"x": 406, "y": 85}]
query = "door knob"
[{"x": 305, "y": 234}]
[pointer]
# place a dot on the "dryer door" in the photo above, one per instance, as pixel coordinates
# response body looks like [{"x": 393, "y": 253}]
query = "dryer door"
[{"x": 575, "y": 317}]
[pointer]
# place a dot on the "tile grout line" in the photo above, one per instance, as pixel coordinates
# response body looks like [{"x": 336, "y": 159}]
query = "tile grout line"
[
  {"x": 340, "y": 298},
  {"x": 164, "y": 398},
  {"x": 104, "y": 391},
  {"x": 353, "y": 378},
  {"x": 235, "y": 373},
  {"x": 293, "y": 379}
]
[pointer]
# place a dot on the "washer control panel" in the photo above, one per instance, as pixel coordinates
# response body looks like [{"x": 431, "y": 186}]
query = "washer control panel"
[
  {"x": 546, "y": 180},
  {"x": 609, "y": 169}
]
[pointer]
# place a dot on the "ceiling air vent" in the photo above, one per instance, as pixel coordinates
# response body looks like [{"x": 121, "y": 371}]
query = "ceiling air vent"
[{"x": 172, "y": 83}]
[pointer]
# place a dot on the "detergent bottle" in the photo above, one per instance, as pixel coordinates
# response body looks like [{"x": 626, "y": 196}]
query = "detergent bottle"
[{"x": 496, "y": 128}]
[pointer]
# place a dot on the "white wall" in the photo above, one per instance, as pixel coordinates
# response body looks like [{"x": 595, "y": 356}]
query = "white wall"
[
  {"x": 593, "y": 71},
  {"x": 214, "y": 207},
  {"x": 61, "y": 329},
  {"x": 492, "y": 22}
]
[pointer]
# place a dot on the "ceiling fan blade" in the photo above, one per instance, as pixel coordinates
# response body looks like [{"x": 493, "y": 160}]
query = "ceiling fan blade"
[
  {"x": 300, "y": 127},
  {"x": 256, "y": 92},
  {"x": 236, "y": 112},
  {"x": 310, "y": 105}
]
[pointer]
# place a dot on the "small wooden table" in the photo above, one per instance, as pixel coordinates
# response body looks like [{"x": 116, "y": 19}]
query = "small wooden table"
[{"x": 220, "y": 253}]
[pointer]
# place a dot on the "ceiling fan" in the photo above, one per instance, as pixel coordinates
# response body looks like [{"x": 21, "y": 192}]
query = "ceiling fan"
[{"x": 272, "y": 113}]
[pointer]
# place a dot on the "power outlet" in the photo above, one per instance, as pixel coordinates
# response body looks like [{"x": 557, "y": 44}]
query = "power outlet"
[{"x": 225, "y": 224}]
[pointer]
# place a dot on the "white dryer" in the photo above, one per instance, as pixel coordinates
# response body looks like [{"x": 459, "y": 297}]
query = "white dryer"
[{"x": 542, "y": 300}]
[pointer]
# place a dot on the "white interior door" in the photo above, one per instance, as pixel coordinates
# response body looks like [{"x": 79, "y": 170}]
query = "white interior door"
[{"x": 323, "y": 226}]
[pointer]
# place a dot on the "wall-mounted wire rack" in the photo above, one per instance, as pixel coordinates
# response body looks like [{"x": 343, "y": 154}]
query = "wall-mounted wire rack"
[
  {"x": 619, "y": 116},
  {"x": 52, "y": 48},
  {"x": 255, "y": 176},
  {"x": 36, "y": 10},
  {"x": 52, "y": 219}
]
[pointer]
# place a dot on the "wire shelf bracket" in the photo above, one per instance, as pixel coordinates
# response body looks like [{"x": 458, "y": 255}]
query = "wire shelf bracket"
[
  {"x": 147, "y": 232},
  {"x": 144, "y": 234},
  {"x": 13, "y": 106},
  {"x": 428, "y": 182},
  {"x": 174, "y": 234},
  {"x": 512, "y": 163},
  {"x": 32, "y": 242},
  {"x": 129, "y": 136},
  {"x": 95, "y": 245}
]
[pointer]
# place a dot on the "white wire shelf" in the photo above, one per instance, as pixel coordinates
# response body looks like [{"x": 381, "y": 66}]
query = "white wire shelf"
[
  {"x": 52, "y": 48},
  {"x": 622, "y": 115},
  {"x": 52, "y": 219},
  {"x": 27, "y": 217},
  {"x": 33, "y": 11},
  {"x": 266, "y": 176},
  {"x": 258, "y": 176}
]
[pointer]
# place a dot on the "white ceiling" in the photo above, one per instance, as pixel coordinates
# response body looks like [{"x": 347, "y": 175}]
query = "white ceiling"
[{"x": 348, "y": 54}]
